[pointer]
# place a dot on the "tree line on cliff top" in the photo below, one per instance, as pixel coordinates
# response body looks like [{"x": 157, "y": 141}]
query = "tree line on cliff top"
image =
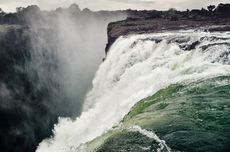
[{"x": 22, "y": 15}]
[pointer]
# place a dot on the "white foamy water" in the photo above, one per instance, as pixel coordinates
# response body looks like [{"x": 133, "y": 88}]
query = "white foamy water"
[
  {"x": 137, "y": 67},
  {"x": 162, "y": 145}
]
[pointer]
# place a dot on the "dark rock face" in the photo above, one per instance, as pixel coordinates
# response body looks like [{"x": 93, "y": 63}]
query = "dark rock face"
[
  {"x": 26, "y": 112},
  {"x": 223, "y": 10},
  {"x": 32, "y": 96},
  {"x": 140, "y": 22}
]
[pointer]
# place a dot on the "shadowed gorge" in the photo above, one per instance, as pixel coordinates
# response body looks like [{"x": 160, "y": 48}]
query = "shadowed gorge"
[{"x": 47, "y": 63}]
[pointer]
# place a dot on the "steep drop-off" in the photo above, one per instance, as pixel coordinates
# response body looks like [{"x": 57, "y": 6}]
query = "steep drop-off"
[
  {"x": 141, "y": 22},
  {"x": 190, "y": 110}
]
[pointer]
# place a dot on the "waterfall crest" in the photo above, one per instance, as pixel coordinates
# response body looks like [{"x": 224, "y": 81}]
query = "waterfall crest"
[{"x": 137, "y": 67}]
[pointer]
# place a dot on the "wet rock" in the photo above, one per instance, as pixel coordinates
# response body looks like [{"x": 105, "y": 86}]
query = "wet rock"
[{"x": 139, "y": 22}]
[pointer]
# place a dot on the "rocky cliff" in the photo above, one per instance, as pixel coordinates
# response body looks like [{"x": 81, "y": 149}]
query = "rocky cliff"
[{"x": 139, "y": 22}]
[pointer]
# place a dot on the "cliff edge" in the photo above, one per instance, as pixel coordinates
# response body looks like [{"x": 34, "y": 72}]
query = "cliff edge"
[{"x": 140, "y": 22}]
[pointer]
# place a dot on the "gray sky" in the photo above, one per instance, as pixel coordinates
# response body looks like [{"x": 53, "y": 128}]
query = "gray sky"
[{"x": 10, "y": 5}]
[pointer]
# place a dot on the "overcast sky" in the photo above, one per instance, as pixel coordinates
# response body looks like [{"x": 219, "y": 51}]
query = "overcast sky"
[{"x": 10, "y": 5}]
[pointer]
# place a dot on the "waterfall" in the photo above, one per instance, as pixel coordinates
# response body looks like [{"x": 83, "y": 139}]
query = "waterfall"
[{"x": 136, "y": 67}]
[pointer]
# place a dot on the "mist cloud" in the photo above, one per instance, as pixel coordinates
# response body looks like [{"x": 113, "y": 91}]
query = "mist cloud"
[{"x": 46, "y": 69}]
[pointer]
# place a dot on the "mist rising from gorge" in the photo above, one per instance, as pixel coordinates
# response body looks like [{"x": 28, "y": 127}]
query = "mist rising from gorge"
[
  {"x": 78, "y": 42},
  {"x": 47, "y": 62}
]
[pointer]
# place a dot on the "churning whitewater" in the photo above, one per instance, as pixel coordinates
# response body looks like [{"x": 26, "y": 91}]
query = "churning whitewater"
[{"x": 137, "y": 67}]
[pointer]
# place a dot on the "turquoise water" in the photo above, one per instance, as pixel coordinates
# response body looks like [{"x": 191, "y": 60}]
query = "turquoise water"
[{"x": 191, "y": 117}]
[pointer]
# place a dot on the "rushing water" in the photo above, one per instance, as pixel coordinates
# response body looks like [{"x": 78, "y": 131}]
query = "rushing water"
[{"x": 137, "y": 67}]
